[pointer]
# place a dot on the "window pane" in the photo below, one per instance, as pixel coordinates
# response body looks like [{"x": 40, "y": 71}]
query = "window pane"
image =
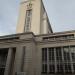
[
  {"x": 74, "y": 67},
  {"x": 51, "y": 54},
  {"x": 58, "y": 54},
  {"x": 3, "y": 58},
  {"x": 60, "y": 68},
  {"x": 44, "y": 68},
  {"x": 66, "y": 54},
  {"x": 44, "y": 54},
  {"x": 72, "y": 50},
  {"x": 67, "y": 68},
  {"x": 51, "y": 68}
]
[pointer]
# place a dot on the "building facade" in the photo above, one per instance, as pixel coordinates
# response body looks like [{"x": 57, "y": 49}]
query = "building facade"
[
  {"x": 29, "y": 54},
  {"x": 35, "y": 49}
]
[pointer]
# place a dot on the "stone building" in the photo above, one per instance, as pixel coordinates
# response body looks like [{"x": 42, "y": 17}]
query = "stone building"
[{"x": 35, "y": 49}]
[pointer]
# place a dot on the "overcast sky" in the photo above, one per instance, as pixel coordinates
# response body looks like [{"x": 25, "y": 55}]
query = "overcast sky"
[{"x": 61, "y": 14}]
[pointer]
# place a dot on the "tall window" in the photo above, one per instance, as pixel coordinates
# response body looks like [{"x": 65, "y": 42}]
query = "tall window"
[
  {"x": 51, "y": 60},
  {"x": 51, "y": 54},
  {"x": 74, "y": 67},
  {"x": 67, "y": 68},
  {"x": 66, "y": 54},
  {"x": 59, "y": 60},
  {"x": 44, "y": 60},
  {"x": 44, "y": 54},
  {"x": 28, "y": 20},
  {"x": 3, "y": 59},
  {"x": 51, "y": 68},
  {"x": 60, "y": 68},
  {"x": 44, "y": 68},
  {"x": 58, "y": 54},
  {"x": 72, "y": 50}
]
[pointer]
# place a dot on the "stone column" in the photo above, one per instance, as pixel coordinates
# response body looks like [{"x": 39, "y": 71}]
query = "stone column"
[{"x": 8, "y": 62}]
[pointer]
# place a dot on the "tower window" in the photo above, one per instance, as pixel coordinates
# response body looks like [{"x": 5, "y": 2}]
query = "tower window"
[{"x": 28, "y": 20}]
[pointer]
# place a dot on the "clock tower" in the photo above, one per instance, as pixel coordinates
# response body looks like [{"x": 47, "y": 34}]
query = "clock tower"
[{"x": 33, "y": 18}]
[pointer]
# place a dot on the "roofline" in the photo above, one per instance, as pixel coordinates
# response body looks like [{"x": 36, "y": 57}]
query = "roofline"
[
  {"x": 16, "y": 34},
  {"x": 64, "y": 32}
]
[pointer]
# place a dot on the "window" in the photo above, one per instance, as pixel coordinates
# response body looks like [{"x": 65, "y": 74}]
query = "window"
[
  {"x": 67, "y": 68},
  {"x": 44, "y": 54},
  {"x": 2, "y": 71},
  {"x": 59, "y": 68},
  {"x": 28, "y": 20},
  {"x": 73, "y": 57},
  {"x": 51, "y": 68},
  {"x": 69, "y": 36},
  {"x": 74, "y": 67},
  {"x": 58, "y": 54},
  {"x": 3, "y": 59},
  {"x": 44, "y": 68},
  {"x": 58, "y": 59},
  {"x": 72, "y": 50},
  {"x": 51, "y": 54},
  {"x": 66, "y": 54}
]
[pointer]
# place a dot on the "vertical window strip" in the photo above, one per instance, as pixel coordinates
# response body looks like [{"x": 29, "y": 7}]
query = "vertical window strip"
[
  {"x": 66, "y": 54},
  {"x": 44, "y": 68},
  {"x": 51, "y": 68},
  {"x": 28, "y": 20},
  {"x": 51, "y": 54},
  {"x": 58, "y": 54},
  {"x": 44, "y": 55}
]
